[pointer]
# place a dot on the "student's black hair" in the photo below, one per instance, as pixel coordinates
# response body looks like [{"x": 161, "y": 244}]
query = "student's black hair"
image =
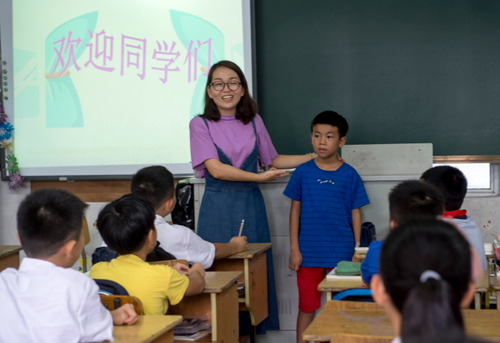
[
  {"x": 155, "y": 184},
  {"x": 246, "y": 108},
  {"x": 428, "y": 307},
  {"x": 332, "y": 118},
  {"x": 47, "y": 219},
  {"x": 125, "y": 223},
  {"x": 414, "y": 198},
  {"x": 451, "y": 182}
]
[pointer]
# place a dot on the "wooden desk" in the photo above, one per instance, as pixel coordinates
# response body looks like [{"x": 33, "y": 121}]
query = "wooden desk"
[
  {"x": 9, "y": 256},
  {"x": 331, "y": 286},
  {"x": 495, "y": 284},
  {"x": 488, "y": 250},
  {"x": 157, "y": 329},
  {"x": 374, "y": 322},
  {"x": 220, "y": 301},
  {"x": 253, "y": 264},
  {"x": 482, "y": 286}
]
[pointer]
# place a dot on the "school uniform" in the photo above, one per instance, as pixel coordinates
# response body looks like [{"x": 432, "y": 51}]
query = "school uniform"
[
  {"x": 184, "y": 244},
  {"x": 155, "y": 285},
  {"x": 42, "y": 302},
  {"x": 370, "y": 264},
  {"x": 471, "y": 231}
]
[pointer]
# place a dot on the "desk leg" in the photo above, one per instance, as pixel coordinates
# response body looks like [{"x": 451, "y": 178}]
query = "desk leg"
[
  {"x": 487, "y": 300},
  {"x": 477, "y": 301},
  {"x": 328, "y": 296},
  {"x": 225, "y": 312},
  {"x": 256, "y": 288}
]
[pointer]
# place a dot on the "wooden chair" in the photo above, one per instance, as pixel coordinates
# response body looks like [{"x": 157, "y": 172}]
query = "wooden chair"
[
  {"x": 171, "y": 263},
  {"x": 112, "y": 302},
  {"x": 86, "y": 235},
  {"x": 359, "y": 339},
  {"x": 351, "y": 305}
]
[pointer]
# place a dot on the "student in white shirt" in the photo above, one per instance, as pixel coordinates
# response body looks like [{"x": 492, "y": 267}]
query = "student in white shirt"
[
  {"x": 424, "y": 280},
  {"x": 45, "y": 300},
  {"x": 156, "y": 184}
]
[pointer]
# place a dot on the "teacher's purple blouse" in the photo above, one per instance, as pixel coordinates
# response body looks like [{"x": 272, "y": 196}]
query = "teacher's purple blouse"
[{"x": 234, "y": 138}]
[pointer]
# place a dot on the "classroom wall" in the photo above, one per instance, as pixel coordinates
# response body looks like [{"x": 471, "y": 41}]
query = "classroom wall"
[{"x": 401, "y": 71}]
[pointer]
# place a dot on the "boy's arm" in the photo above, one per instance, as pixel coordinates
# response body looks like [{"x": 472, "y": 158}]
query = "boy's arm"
[
  {"x": 295, "y": 255},
  {"x": 196, "y": 280},
  {"x": 356, "y": 228},
  {"x": 235, "y": 245},
  {"x": 124, "y": 315}
]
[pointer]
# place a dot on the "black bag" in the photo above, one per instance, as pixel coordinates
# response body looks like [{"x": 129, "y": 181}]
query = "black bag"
[
  {"x": 105, "y": 254},
  {"x": 183, "y": 212},
  {"x": 159, "y": 254},
  {"x": 368, "y": 234}
]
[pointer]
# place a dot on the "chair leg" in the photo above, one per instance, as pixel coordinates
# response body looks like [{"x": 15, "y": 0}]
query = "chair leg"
[
  {"x": 84, "y": 261},
  {"x": 252, "y": 334}
]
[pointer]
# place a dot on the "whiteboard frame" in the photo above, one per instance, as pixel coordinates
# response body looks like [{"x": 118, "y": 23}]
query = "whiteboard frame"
[{"x": 109, "y": 172}]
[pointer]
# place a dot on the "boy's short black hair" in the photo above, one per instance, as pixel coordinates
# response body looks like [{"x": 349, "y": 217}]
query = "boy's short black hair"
[
  {"x": 332, "y": 118},
  {"x": 155, "y": 184},
  {"x": 451, "y": 182},
  {"x": 414, "y": 198},
  {"x": 47, "y": 219},
  {"x": 124, "y": 224}
]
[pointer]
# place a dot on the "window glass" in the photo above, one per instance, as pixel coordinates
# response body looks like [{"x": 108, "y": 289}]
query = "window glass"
[{"x": 477, "y": 174}]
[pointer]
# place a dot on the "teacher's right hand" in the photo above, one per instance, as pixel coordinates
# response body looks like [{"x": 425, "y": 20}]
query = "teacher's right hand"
[{"x": 272, "y": 174}]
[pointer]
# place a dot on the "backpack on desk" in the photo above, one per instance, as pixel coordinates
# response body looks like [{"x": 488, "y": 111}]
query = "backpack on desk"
[{"x": 368, "y": 234}]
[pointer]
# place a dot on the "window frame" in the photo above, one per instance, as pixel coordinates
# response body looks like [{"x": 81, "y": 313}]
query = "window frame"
[{"x": 493, "y": 160}]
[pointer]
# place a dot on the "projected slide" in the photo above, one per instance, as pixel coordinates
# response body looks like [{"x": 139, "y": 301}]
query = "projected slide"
[{"x": 115, "y": 82}]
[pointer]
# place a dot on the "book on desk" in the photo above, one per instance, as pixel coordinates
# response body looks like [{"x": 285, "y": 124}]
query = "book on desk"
[{"x": 332, "y": 275}]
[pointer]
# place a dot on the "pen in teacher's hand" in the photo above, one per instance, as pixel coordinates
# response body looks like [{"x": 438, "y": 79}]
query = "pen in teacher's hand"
[{"x": 241, "y": 226}]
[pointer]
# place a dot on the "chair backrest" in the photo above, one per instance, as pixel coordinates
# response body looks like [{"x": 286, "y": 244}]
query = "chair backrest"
[
  {"x": 351, "y": 305},
  {"x": 112, "y": 302},
  {"x": 110, "y": 287},
  {"x": 359, "y": 339},
  {"x": 85, "y": 228},
  {"x": 361, "y": 295},
  {"x": 171, "y": 263}
]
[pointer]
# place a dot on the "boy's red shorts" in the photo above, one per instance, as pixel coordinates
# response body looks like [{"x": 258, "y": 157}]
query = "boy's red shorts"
[{"x": 308, "y": 279}]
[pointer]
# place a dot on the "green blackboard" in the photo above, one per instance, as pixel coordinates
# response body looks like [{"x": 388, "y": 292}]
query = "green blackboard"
[{"x": 421, "y": 71}]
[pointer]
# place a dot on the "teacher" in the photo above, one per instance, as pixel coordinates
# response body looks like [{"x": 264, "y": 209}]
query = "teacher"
[{"x": 227, "y": 141}]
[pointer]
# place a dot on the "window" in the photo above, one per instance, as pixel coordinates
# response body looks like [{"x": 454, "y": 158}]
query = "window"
[{"x": 482, "y": 177}]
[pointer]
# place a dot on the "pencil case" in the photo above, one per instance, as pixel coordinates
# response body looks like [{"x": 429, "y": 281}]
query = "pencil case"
[{"x": 347, "y": 268}]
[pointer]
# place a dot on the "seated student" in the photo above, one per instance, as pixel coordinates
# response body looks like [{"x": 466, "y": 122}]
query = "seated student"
[
  {"x": 127, "y": 227},
  {"x": 453, "y": 184},
  {"x": 156, "y": 184},
  {"x": 407, "y": 199},
  {"x": 45, "y": 300},
  {"x": 425, "y": 280}
]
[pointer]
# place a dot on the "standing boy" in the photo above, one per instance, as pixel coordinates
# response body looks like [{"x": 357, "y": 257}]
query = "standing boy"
[
  {"x": 156, "y": 184},
  {"x": 325, "y": 217},
  {"x": 127, "y": 227},
  {"x": 453, "y": 184},
  {"x": 45, "y": 300}
]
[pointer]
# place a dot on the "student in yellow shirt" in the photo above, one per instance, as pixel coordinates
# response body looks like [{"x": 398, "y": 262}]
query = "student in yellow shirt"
[{"x": 127, "y": 226}]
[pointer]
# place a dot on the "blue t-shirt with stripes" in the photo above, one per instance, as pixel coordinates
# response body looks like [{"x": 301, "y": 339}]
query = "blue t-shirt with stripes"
[{"x": 327, "y": 198}]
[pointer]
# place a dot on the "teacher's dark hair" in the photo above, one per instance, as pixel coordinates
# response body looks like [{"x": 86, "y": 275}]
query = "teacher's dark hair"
[
  {"x": 428, "y": 307},
  {"x": 246, "y": 108}
]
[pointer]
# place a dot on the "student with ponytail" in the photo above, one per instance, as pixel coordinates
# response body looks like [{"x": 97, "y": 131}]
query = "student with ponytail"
[{"x": 424, "y": 279}]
